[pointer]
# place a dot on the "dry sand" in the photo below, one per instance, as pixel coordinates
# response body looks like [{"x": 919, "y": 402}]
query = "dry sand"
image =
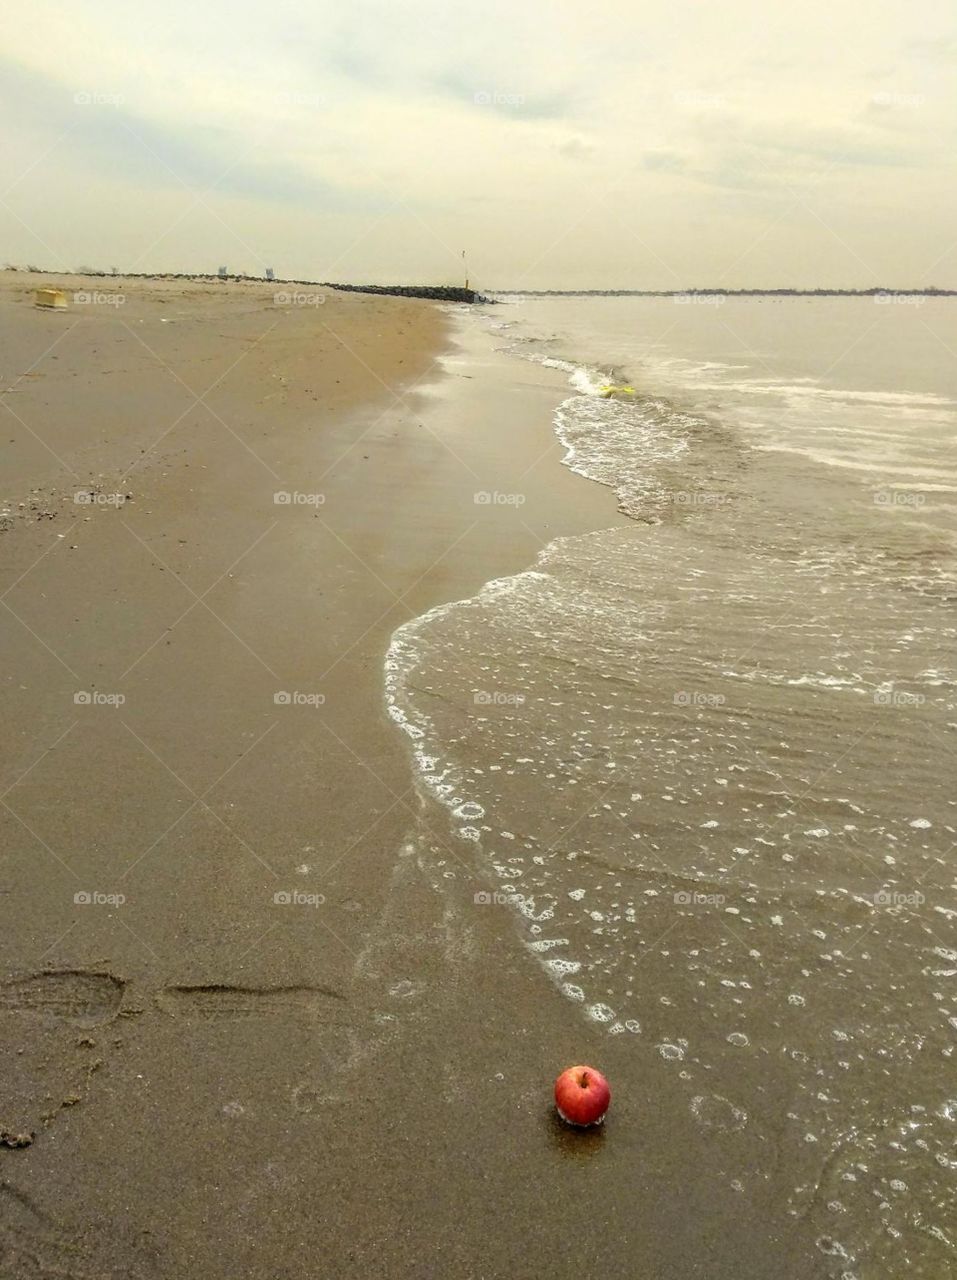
[{"x": 220, "y": 1083}]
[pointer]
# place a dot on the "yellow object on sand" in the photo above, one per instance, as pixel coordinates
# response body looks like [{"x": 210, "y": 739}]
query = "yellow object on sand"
[
  {"x": 51, "y": 298},
  {"x": 612, "y": 390}
]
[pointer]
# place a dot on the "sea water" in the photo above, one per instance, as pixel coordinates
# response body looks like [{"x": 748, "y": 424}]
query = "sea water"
[{"x": 709, "y": 757}]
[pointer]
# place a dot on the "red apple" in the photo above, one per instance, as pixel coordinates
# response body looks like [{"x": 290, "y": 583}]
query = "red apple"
[{"x": 582, "y": 1096}]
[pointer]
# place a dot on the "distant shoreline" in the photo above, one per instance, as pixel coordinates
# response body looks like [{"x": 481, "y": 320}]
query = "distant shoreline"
[
  {"x": 454, "y": 293},
  {"x": 432, "y": 292},
  {"x": 875, "y": 292}
]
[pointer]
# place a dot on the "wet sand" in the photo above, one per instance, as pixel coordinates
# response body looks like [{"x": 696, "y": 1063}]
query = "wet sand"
[{"x": 354, "y": 1077}]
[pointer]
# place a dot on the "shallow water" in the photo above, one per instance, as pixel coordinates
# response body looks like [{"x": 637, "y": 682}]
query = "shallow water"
[{"x": 708, "y": 757}]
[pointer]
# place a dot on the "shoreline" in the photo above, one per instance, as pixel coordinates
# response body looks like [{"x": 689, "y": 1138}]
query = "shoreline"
[
  {"x": 300, "y": 1043},
  {"x": 468, "y": 765},
  {"x": 431, "y": 292},
  {"x": 182, "y": 998},
  {"x": 455, "y": 293}
]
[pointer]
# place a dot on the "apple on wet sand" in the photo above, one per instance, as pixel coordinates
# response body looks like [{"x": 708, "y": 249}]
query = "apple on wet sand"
[{"x": 582, "y": 1096}]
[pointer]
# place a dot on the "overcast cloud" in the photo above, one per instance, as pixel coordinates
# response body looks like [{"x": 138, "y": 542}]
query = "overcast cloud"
[{"x": 614, "y": 144}]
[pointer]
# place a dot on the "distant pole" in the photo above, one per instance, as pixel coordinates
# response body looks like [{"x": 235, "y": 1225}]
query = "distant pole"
[{"x": 465, "y": 268}]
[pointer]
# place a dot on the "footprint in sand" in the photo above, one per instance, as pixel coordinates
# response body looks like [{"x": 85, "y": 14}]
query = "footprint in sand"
[
  {"x": 35, "y": 1245},
  {"x": 221, "y": 1000},
  {"x": 45, "y": 1065},
  {"x": 81, "y": 997}
]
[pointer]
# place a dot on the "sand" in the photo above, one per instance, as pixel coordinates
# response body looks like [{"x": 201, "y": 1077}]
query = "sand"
[{"x": 268, "y": 1044}]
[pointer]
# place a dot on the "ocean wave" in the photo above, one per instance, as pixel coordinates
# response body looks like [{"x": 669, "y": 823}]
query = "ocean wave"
[{"x": 694, "y": 758}]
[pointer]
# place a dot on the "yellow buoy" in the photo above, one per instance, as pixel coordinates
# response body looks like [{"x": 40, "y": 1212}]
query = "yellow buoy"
[
  {"x": 53, "y": 299},
  {"x": 608, "y": 391}
]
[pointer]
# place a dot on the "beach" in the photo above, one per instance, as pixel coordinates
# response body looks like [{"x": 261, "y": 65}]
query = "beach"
[
  {"x": 265, "y": 1010},
  {"x": 216, "y": 1081}
]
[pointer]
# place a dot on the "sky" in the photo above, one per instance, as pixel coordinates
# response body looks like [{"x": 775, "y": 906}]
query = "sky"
[{"x": 614, "y": 144}]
